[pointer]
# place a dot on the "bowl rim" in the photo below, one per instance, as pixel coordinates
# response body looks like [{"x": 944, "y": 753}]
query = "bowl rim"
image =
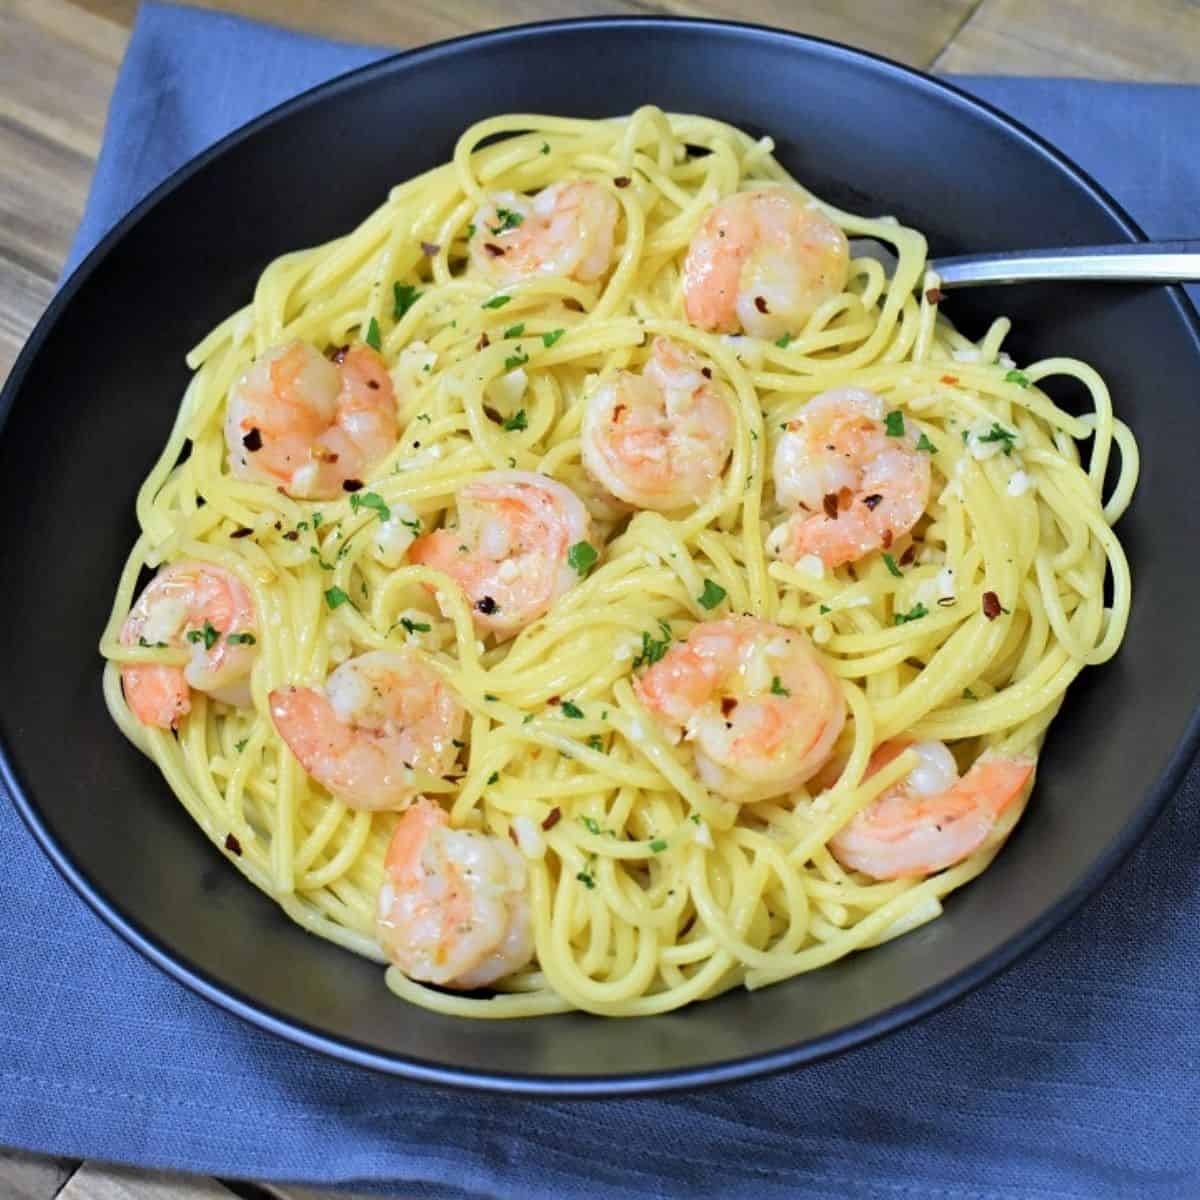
[{"x": 176, "y": 964}]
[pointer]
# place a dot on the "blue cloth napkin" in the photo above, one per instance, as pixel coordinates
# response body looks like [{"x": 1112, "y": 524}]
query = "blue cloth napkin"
[{"x": 1075, "y": 1074}]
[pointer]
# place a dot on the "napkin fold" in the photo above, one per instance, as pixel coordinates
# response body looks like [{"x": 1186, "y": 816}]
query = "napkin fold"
[{"x": 1074, "y": 1074}]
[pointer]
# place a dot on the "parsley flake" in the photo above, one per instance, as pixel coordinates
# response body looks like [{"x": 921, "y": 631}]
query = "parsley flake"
[
  {"x": 372, "y": 338},
  {"x": 508, "y": 220},
  {"x": 572, "y": 710},
  {"x": 891, "y": 566},
  {"x": 784, "y": 342},
  {"x": 581, "y": 557},
  {"x": 152, "y": 645},
  {"x": 371, "y": 500},
  {"x": 552, "y": 336},
  {"x": 240, "y": 746},
  {"x": 777, "y": 688},
  {"x": 998, "y": 433},
  {"x": 241, "y": 639},
  {"x": 658, "y": 845},
  {"x": 1019, "y": 378},
  {"x": 545, "y": 147},
  {"x": 494, "y": 777},
  {"x": 496, "y": 302},
  {"x": 969, "y": 695},
  {"x": 915, "y": 613},
  {"x": 404, "y": 296},
  {"x": 653, "y": 648},
  {"x": 596, "y": 742},
  {"x": 414, "y": 626},
  {"x": 335, "y": 597},
  {"x": 587, "y": 881},
  {"x": 516, "y": 422},
  {"x": 515, "y": 330},
  {"x": 592, "y": 825},
  {"x": 414, "y": 524},
  {"x": 893, "y": 423},
  {"x": 488, "y": 696},
  {"x": 825, "y": 609},
  {"x": 923, "y": 443},
  {"x": 516, "y": 360},
  {"x": 712, "y": 595},
  {"x": 208, "y": 635}
]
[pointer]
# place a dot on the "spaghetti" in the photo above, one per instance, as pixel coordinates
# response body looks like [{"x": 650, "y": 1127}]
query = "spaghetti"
[{"x": 647, "y": 881}]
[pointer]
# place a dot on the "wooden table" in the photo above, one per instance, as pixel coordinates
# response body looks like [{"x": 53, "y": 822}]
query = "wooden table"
[{"x": 60, "y": 59}]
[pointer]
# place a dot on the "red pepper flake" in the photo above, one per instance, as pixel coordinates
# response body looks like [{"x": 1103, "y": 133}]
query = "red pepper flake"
[
  {"x": 873, "y": 501},
  {"x": 886, "y": 539},
  {"x": 429, "y": 249},
  {"x": 241, "y": 533},
  {"x": 233, "y": 845},
  {"x": 728, "y": 704},
  {"x": 949, "y": 379},
  {"x": 706, "y": 372},
  {"x": 494, "y": 250},
  {"x": 554, "y": 700},
  {"x": 852, "y": 572},
  {"x": 992, "y": 607},
  {"x": 909, "y": 554},
  {"x": 619, "y": 413},
  {"x": 571, "y": 303},
  {"x": 373, "y": 385},
  {"x": 552, "y": 818},
  {"x": 761, "y": 304},
  {"x": 622, "y": 181},
  {"x": 253, "y": 440},
  {"x": 830, "y": 505},
  {"x": 512, "y": 835},
  {"x": 934, "y": 295},
  {"x": 328, "y": 456},
  {"x": 352, "y": 485},
  {"x": 292, "y": 535},
  {"x": 483, "y": 343}
]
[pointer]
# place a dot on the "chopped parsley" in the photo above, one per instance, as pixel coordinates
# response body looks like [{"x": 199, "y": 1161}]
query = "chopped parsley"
[
  {"x": 335, "y": 597},
  {"x": 694, "y": 818},
  {"x": 893, "y": 423},
  {"x": 777, "y": 688},
  {"x": 915, "y": 613},
  {"x": 891, "y": 566},
  {"x": 208, "y": 635},
  {"x": 404, "y": 296},
  {"x": 572, "y": 710},
  {"x": 581, "y": 557},
  {"x": 658, "y": 845},
  {"x": 425, "y": 417},
  {"x": 494, "y": 777},
  {"x": 825, "y": 609},
  {"x": 1019, "y": 378},
  {"x": 545, "y": 147},
  {"x": 371, "y": 500},
  {"x": 372, "y": 337},
  {"x": 516, "y": 422},
  {"x": 998, "y": 433},
  {"x": 241, "y": 639},
  {"x": 325, "y": 566},
  {"x": 587, "y": 881},
  {"x": 414, "y": 524},
  {"x": 653, "y": 648},
  {"x": 592, "y": 825},
  {"x": 712, "y": 595},
  {"x": 526, "y": 718},
  {"x": 516, "y": 360},
  {"x": 152, "y": 645},
  {"x": 240, "y": 746},
  {"x": 969, "y": 695},
  {"x": 414, "y": 626},
  {"x": 496, "y": 302},
  {"x": 783, "y": 342},
  {"x": 317, "y": 518},
  {"x": 552, "y": 336},
  {"x": 923, "y": 443},
  {"x": 489, "y": 697},
  {"x": 508, "y": 220},
  {"x": 596, "y": 742},
  {"x": 515, "y": 330}
]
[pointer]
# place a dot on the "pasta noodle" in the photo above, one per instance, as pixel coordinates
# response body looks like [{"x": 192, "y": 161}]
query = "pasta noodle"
[{"x": 647, "y": 888}]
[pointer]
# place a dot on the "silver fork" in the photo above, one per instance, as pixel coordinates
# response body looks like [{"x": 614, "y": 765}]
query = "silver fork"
[{"x": 1138, "y": 262}]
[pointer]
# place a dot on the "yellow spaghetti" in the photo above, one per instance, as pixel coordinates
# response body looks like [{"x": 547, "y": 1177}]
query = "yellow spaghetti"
[{"x": 647, "y": 886}]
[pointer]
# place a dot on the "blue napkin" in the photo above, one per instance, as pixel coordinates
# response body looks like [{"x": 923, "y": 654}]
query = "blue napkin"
[{"x": 1076, "y": 1074}]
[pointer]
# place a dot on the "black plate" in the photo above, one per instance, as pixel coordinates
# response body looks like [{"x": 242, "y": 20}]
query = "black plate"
[{"x": 96, "y": 389}]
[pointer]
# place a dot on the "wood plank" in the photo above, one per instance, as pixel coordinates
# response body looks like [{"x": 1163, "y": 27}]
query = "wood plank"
[
  {"x": 1146, "y": 40},
  {"x": 94, "y": 1181},
  {"x": 32, "y": 1177}
]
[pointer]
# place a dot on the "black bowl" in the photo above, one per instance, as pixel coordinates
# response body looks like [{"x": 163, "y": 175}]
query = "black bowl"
[{"x": 95, "y": 391}]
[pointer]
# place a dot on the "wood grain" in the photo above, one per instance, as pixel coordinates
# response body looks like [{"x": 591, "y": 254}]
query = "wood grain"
[
  {"x": 60, "y": 59},
  {"x": 30, "y": 1177}
]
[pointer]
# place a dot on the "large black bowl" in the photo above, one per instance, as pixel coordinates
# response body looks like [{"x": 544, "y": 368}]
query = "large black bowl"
[{"x": 96, "y": 389}]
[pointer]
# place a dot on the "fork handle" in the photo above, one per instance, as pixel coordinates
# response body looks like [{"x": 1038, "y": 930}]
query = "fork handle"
[{"x": 1139, "y": 262}]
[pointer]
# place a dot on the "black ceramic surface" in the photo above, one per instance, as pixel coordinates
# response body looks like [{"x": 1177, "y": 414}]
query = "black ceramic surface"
[{"x": 95, "y": 392}]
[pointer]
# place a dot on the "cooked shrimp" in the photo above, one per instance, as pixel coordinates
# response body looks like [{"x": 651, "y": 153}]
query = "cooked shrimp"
[
  {"x": 931, "y": 819},
  {"x": 857, "y": 487},
  {"x": 453, "y": 909},
  {"x": 763, "y": 262},
  {"x": 509, "y": 553},
  {"x": 566, "y": 229},
  {"x": 760, "y": 706},
  {"x": 189, "y": 604},
  {"x": 308, "y": 425},
  {"x": 660, "y": 439},
  {"x": 381, "y": 716}
]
